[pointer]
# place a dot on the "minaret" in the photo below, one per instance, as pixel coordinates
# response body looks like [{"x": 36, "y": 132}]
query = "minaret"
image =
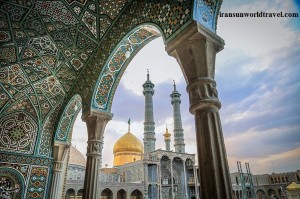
[
  {"x": 167, "y": 137},
  {"x": 149, "y": 133},
  {"x": 178, "y": 131}
]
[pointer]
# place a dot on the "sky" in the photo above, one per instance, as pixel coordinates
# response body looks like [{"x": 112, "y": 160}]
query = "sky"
[{"x": 258, "y": 80}]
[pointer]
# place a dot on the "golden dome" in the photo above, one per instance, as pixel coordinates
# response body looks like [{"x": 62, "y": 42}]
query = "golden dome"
[
  {"x": 76, "y": 157},
  {"x": 167, "y": 135},
  {"x": 128, "y": 143},
  {"x": 293, "y": 186}
]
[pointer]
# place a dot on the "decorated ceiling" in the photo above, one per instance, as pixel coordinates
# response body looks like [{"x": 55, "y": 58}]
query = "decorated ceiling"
[{"x": 57, "y": 57}]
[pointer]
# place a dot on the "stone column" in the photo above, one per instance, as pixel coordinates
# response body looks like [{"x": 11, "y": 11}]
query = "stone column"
[
  {"x": 60, "y": 152},
  {"x": 195, "y": 49},
  {"x": 146, "y": 185},
  {"x": 159, "y": 179},
  {"x": 196, "y": 182},
  {"x": 172, "y": 183},
  {"x": 185, "y": 180},
  {"x": 95, "y": 122}
]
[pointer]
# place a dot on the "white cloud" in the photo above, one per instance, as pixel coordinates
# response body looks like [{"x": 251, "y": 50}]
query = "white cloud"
[
  {"x": 257, "y": 36},
  {"x": 161, "y": 67}
]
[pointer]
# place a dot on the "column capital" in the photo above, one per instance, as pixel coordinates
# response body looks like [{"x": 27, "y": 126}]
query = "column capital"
[
  {"x": 96, "y": 122},
  {"x": 95, "y": 114},
  {"x": 194, "y": 31},
  {"x": 60, "y": 150},
  {"x": 195, "y": 49}
]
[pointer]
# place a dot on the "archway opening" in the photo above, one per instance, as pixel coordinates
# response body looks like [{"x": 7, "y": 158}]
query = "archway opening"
[
  {"x": 106, "y": 194},
  {"x": 121, "y": 194},
  {"x": 136, "y": 194},
  {"x": 70, "y": 194}
]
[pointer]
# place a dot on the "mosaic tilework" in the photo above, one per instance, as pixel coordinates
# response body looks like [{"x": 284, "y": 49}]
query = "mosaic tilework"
[
  {"x": 15, "y": 13},
  {"x": 5, "y": 36},
  {"x": 23, "y": 169},
  {"x": 35, "y": 69},
  {"x": 23, "y": 104},
  {"x": 206, "y": 13},
  {"x": 104, "y": 25},
  {"x": 79, "y": 1},
  {"x": 4, "y": 97},
  {"x": 57, "y": 11},
  {"x": 35, "y": 25},
  {"x": 7, "y": 55},
  {"x": 13, "y": 75},
  {"x": 66, "y": 77},
  {"x": 18, "y": 133},
  {"x": 51, "y": 88},
  {"x": 25, "y": 160},
  {"x": 44, "y": 148},
  {"x": 15, "y": 179},
  {"x": 90, "y": 21},
  {"x": 64, "y": 130},
  {"x": 37, "y": 183},
  {"x": 111, "y": 8},
  {"x": 43, "y": 45}
]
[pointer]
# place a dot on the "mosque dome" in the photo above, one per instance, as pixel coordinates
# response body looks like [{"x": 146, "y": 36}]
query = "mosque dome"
[
  {"x": 128, "y": 143},
  {"x": 127, "y": 149},
  {"x": 76, "y": 157}
]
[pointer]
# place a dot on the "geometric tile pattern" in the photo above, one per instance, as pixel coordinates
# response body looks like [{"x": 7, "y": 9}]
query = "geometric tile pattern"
[
  {"x": 44, "y": 45},
  {"x": 57, "y": 11},
  {"x": 18, "y": 133},
  {"x": 45, "y": 142},
  {"x": 37, "y": 183},
  {"x": 21, "y": 160},
  {"x": 52, "y": 50},
  {"x": 14, "y": 76},
  {"x": 90, "y": 21},
  {"x": 206, "y": 13}
]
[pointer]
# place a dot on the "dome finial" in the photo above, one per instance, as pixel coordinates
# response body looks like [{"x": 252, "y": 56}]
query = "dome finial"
[
  {"x": 148, "y": 74},
  {"x": 129, "y": 125},
  {"x": 174, "y": 85}
]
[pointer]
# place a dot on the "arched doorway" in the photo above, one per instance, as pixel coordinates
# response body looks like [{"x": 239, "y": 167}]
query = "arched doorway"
[
  {"x": 106, "y": 194},
  {"x": 272, "y": 193},
  {"x": 79, "y": 194},
  {"x": 121, "y": 194},
  {"x": 136, "y": 194},
  {"x": 261, "y": 194},
  {"x": 70, "y": 194}
]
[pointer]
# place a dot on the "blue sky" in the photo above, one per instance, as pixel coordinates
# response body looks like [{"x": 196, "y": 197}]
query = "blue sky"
[{"x": 257, "y": 77}]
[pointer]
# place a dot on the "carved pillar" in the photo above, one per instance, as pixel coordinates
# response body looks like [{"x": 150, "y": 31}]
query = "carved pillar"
[
  {"x": 196, "y": 182},
  {"x": 159, "y": 180},
  {"x": 146, "y": 186},
  {"x": 95, "y": 122},
  {"x": 195, "y": 49},
  {"x": 60, "y": 153},
  {"x": 185, "y": 180},
  {"x": 172, "y": 183}
]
